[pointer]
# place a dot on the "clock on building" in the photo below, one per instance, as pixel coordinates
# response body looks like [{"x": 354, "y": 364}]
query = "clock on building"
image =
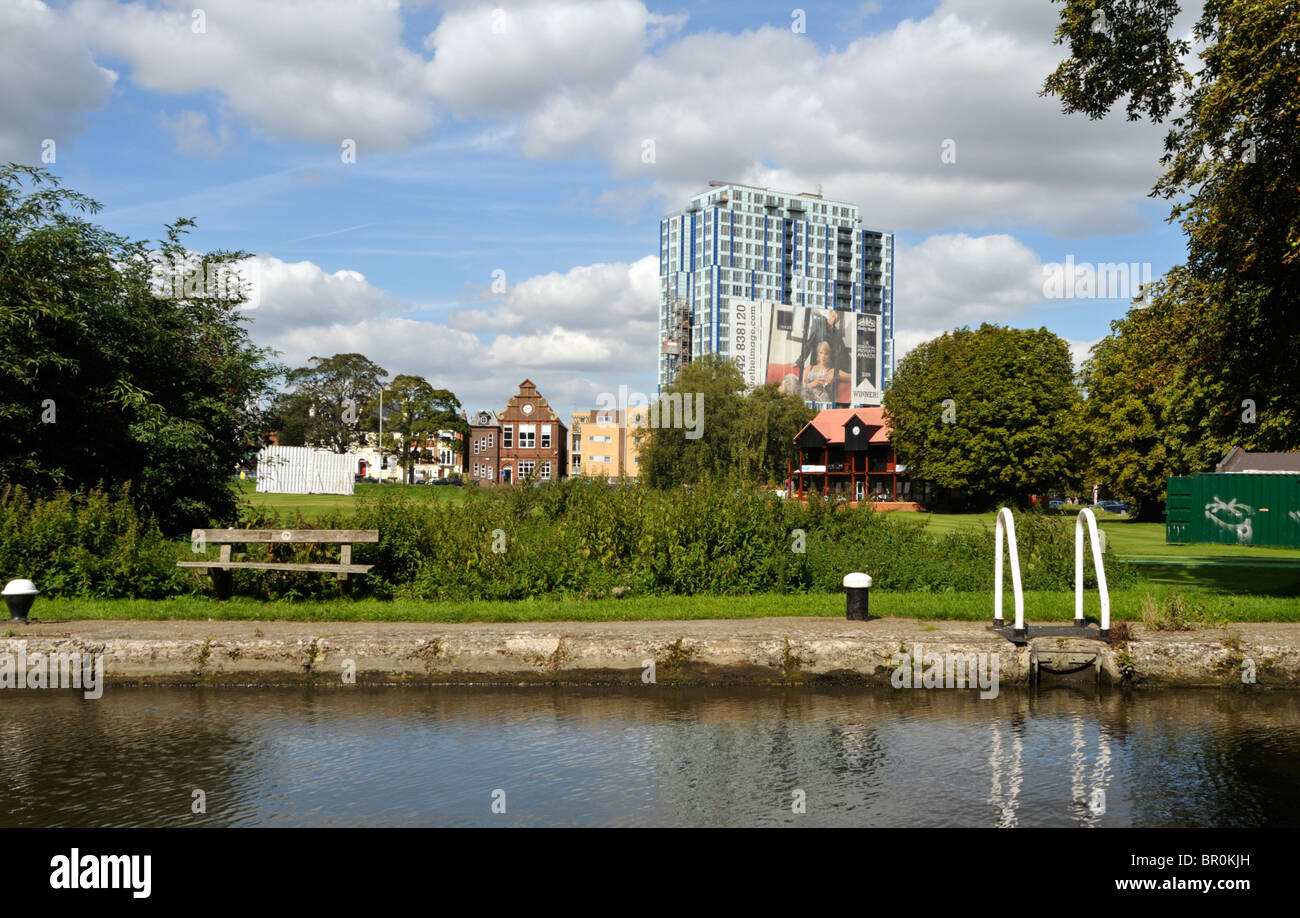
[{"x": 528, "y": 408}]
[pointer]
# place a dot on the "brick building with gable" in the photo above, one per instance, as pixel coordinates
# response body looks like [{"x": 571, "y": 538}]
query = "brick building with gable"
[{"x": 531, "y": 442}]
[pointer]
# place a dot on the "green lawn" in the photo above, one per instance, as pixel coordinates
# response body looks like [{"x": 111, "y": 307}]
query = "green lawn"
[
  {"x": 1125, "y": 537},
  {"x": 1039, "y": 606},
  {"x": 1198, "y": 568},
  {"x": 312, "y": 506}
]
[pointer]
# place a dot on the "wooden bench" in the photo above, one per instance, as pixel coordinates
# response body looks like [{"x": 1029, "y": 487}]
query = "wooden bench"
[{"x": 222, "y": 566}]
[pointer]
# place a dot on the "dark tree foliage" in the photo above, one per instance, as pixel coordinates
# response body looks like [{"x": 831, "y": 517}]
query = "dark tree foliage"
[
  {"x": 1223, "y": 328},
  {"x": 990, "y": 415},
  {"x": 750, "y": 437},
  {"x": 105, "y": 377},
  {"x": 326, "y": 404}
]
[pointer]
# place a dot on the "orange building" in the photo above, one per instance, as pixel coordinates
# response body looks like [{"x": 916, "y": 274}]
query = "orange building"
[{"x": 604, "y": 443}]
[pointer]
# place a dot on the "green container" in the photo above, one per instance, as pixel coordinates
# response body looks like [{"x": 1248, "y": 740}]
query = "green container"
[{"x": 1234, "y": 509}]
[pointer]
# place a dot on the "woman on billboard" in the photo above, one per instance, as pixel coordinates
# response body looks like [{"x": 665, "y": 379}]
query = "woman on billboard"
[{"x": 820, "y": 381}]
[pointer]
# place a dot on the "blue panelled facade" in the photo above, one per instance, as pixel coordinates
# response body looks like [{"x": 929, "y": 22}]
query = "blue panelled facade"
[{"x": 741, "y": 242}]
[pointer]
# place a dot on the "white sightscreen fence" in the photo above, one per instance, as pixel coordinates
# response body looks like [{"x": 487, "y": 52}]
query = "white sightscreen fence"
[{"x": 299, "y": 470}]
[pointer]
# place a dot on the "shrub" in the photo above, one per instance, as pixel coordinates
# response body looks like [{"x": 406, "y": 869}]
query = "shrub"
[
  {"x": 567, "y": 538},
  {"x": 86, "y": 544},
  {"x": 583, "y": 538}
]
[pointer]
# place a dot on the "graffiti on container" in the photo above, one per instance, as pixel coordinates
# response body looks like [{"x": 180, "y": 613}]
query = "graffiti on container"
[{"x": 1232, "y": 516}]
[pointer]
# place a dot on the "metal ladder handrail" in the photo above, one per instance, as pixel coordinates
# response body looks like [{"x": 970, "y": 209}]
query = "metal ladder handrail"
[
  {"x": 1087, "y": 514},
  {"x": 1009, "y": 529}
]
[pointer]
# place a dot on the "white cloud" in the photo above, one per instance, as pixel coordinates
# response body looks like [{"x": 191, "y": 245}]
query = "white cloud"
[
  {"x": 593, "y": 328},
  {"x": 556, "y": 347},
  {"x": 954, "y": 279},
  {"x": 1079, "y": 350},
  {"x": 301, "y": 298},
  {"x": 444, "y": 356},
  {"x": 868, "y": 122},
  {"x": 192, "y": 135},
  {"x": 601, "y": 296},
  {"x": 576, "y": 334},
  {"x": 322, "y": 70},
  {"x": 49, "y": 80},
  {"x": 907, "y": 339},
  {"x": 489, "y": 60},
  {"x": 950, "y": 280}
]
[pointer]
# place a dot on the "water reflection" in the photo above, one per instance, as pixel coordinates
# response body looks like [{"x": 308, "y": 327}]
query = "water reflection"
[{"x": 649, "y": 756}]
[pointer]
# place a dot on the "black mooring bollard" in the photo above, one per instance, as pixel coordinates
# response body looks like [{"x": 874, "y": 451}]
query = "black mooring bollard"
[
  {"x": 19, "y": 596},
  {"x": 857, "y": 589}
]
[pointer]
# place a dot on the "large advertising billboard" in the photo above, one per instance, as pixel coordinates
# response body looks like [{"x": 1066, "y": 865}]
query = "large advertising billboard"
[{"x": 828, "y": 357}]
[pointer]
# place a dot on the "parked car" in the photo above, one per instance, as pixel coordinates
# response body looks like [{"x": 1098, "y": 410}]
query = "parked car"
[
  {"x": 1055, "y": 503},
  {"x": 1113, "y": 506}
]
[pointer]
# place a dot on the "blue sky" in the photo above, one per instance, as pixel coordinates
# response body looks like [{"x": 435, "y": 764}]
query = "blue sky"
[{"x": 507, "y": 137}]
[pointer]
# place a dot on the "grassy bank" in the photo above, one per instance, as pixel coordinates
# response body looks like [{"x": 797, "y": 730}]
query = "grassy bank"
[
  {"x": 566, "y": 550},
  {"x": 1193, "y": 569},
  {"x": 1039, "y": 606}
]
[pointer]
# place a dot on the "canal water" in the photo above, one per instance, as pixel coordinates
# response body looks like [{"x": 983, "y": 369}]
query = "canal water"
[{"x": 650, "y": 756}]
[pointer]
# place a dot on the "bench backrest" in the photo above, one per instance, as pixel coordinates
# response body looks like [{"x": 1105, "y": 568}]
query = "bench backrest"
[{"x": 224, "y": 536}]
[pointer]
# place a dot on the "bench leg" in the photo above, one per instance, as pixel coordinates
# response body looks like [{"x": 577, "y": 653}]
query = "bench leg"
[
  {"x": 221, "y": 577},
  {"x": 345, "y": 557}
]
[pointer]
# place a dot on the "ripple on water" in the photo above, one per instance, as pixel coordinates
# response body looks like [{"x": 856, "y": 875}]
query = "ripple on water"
[{"x": 648, "y": 756}]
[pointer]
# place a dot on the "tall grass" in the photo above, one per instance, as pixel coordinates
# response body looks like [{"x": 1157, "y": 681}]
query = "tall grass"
[
  {"x": 587, "y": 540},
  {"x": 574, "y": 539}
]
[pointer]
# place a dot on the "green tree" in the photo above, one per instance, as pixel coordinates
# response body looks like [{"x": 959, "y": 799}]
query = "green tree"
[
  {"x": 669, "y": 457},
  {"x": 991, "y": 415},
  {"x": 1127, "y": 444},
  {"x": 326, "y": 404},
  {"x": 763, "y": 439},
  {"x": 1145, "y": 408},
  {"x": 1233, "y": 178},
  {"x": 416, "y": 410},
  {"x": 750, "y": 436},
  {"x": 111, "y": 373}
]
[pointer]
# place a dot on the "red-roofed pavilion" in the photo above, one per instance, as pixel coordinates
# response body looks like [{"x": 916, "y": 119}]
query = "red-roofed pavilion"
[{"x": 846, "y": 453}]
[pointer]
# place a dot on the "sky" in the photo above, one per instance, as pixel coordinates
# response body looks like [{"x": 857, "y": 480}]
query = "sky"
[{"x": 457, "y": 190}]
